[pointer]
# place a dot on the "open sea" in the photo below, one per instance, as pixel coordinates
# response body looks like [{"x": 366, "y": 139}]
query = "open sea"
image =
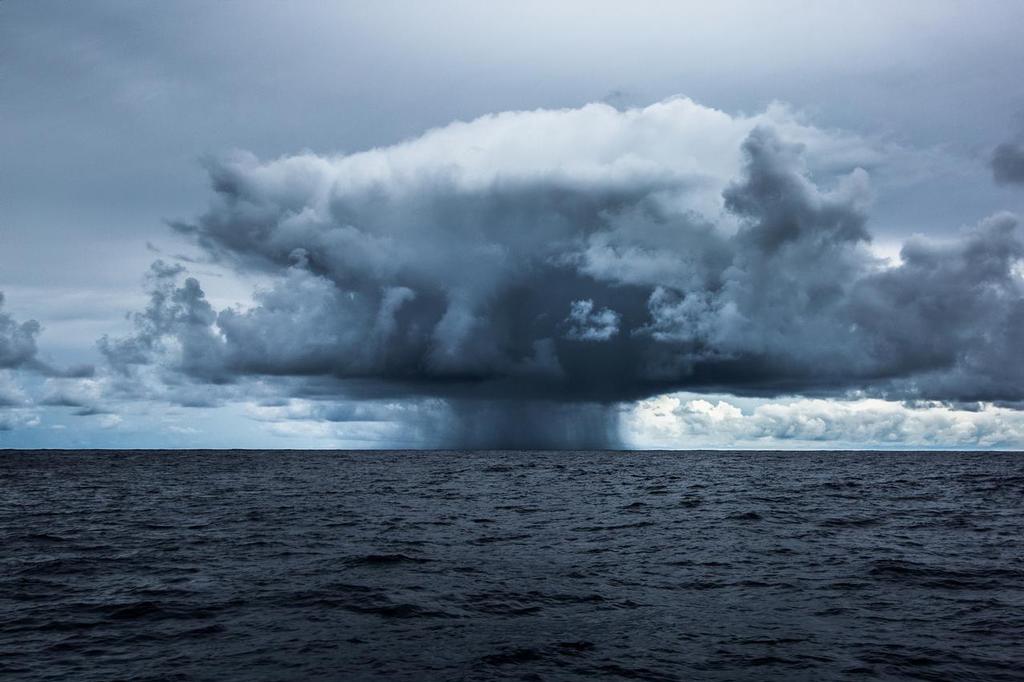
[{"x": 195, "y": 565}]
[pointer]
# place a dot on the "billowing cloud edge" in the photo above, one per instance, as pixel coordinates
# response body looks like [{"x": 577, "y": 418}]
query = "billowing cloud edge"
[{"x": 585, "y": 257}]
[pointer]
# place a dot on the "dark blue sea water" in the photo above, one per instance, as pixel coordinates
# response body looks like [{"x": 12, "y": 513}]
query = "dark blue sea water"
[{"x": 484, "y": 565}]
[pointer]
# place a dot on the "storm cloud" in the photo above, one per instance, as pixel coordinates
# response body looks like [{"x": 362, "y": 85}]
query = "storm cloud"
[
  {"x": 17, "y": 340},
  {"x": 19, "y": 351},
  {"x": 1008, "y": 164},
  {"x": 535, "y": 269}
]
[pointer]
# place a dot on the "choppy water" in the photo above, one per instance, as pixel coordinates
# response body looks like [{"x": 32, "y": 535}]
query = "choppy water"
[{"x": 300, "y": 565}]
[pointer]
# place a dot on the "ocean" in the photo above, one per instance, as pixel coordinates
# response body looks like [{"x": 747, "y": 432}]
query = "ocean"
[{"x": 217, "y": 565}]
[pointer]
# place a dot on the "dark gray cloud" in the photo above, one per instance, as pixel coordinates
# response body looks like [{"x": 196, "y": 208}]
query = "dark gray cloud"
[
  {"x": 19, "y": 355},
  {"x": 17, "y": 340},
  {"x": 1008, "y": 164},
  {"x": 949, "y": 322},
  {"x": 175, "y": 314},
  {"x": 18, "y": 349},
  {"x": 533, "y": 295},
  {"x": 85, "y": 397}
]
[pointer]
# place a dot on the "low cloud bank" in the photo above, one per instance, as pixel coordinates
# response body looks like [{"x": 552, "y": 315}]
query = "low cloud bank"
[{"x": 680, "y": 420}]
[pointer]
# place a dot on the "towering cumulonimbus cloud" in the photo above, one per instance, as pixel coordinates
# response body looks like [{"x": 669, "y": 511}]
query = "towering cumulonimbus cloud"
[{"x": 534, "y": 269}]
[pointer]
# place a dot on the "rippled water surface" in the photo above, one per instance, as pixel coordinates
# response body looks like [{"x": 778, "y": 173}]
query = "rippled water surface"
[{"x": 482, "y": 565}]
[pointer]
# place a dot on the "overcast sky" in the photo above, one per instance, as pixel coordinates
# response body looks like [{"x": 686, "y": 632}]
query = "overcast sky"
[{"x": 432, "y": 223}]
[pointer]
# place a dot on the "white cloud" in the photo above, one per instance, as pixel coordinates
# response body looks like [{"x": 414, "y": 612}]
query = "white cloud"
[
  {"x": 588, "y": 324},
  {"x": 686, "y": 421}
]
